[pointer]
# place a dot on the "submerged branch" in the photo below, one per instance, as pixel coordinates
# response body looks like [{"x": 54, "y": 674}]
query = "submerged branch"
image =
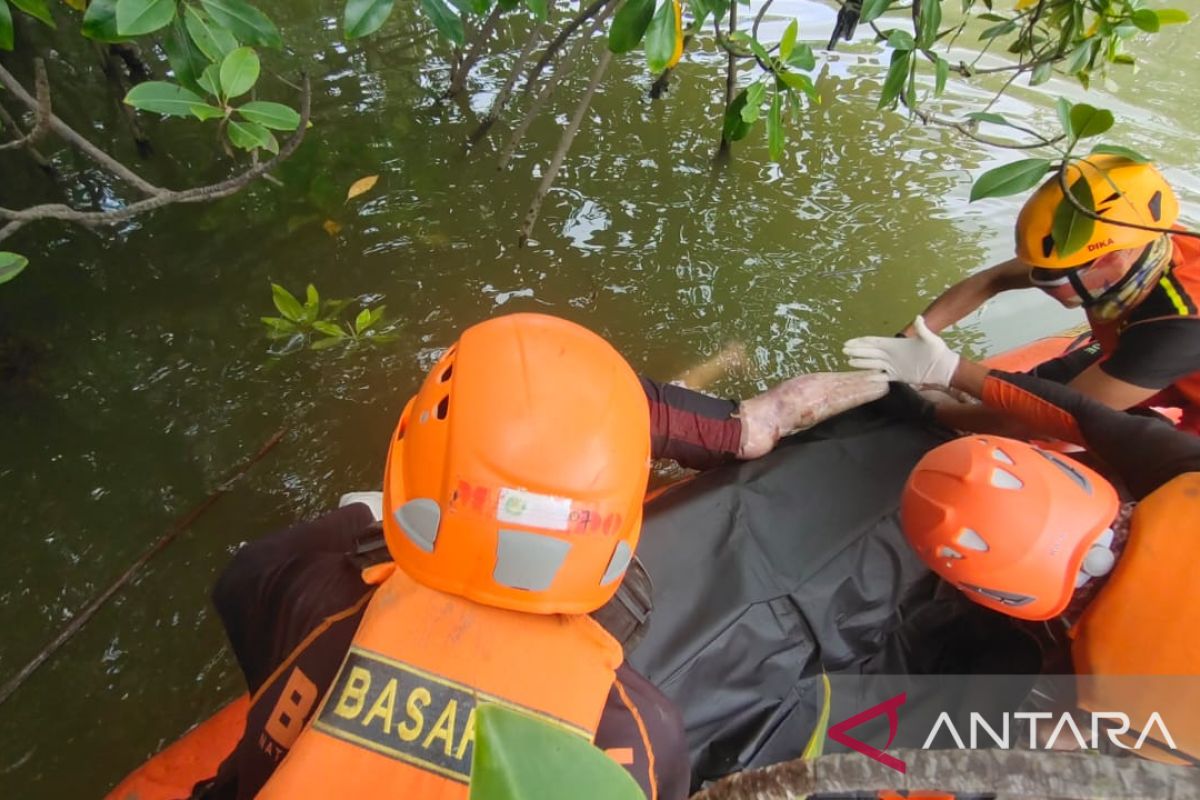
[
  {"x": 730, "y": 78},
  {"x": 564, "y": 145},
  {"x": 505, "y": 92},
  {"x": 548, "y": 54},
  {"x": 459, "y": 80},
  {"x": 161, "y": 197}
]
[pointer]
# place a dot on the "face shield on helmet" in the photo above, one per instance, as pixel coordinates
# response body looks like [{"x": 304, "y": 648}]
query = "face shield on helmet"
[
  {"x": 516, "y": 475},
  {"x": 1016, "y": 528},
  {"x": 1122, "y": 191}
]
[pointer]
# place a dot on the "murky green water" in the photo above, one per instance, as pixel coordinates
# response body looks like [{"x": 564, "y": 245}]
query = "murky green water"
[{"x": 147, "y": 374}]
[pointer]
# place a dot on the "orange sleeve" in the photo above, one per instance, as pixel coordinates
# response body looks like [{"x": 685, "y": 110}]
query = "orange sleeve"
[{"x": 1034, "y": 410}]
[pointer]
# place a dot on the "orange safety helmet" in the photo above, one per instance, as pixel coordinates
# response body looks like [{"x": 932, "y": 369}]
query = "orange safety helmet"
[
  {"x": 1017, "y": 528},
  {"x": 1122, "y": 190},
  {"x": 516, "y": 475}
]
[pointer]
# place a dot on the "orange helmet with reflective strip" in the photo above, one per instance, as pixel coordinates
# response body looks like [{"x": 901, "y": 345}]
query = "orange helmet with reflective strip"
[
  {"x": 1017, "y": 528},
  {"x": 1122, "y": 190},
  {"x": 516, "y": 475}
]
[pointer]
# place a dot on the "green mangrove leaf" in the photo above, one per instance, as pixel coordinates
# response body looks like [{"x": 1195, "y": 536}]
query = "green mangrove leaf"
[
  {"x": 788, "y": 41},
  {"x": 539, "y": 8},
  {"x": 802, "y": 57},
  {"x": 275, "y": 116},
  {"x": 941, "y": 71},
  {"x": 205, "y": 112},
  {"x": 448, "y": 23},
  {"x": 873, "y": 9},
  {"x": 6, "y": 26},
  {"x": 187, "y": 62},
  {"x": 364, "y": 17},
  {"x": 1146, "y": 19},
  {"x": 900, "y": 40},
  {"x": 239, "y": 72},
  {"x": 1010, "y": 179},
  {"x": 775, "y": 128},
  {"x": 1063, "y": 107},
  {"x": 1070, "y": 229},
  {"x": 1124, "y": 152},
  {"x": 244, "y": 21},
  {"x": 734, "y": 128},
  {"x": 755, "y": 93},
  {"x": 249, "y": 135},
  {"x": 897, "y": 74},
  {"x": 163, "y": 98},
  {"x": 287, "y": 303},
  {"x": 1171, "y": 16},
  {"x": 36, "y": 9},
  {"x": 1088, "y": 121},
  {"x": 139, "y": 17},
  {"x": 660, "y": 37},
  {"x": 629, "y": 25},
  {"x": 11, "y": 265},
  {"x": 213, "y": 40}
]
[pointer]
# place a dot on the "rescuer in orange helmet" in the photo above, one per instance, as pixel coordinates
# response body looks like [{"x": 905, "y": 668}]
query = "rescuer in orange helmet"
[
  {"x": 1140, "y": 289},
  {"x": 1037, "y": 535},
  {"x": 511, "y": 510}
]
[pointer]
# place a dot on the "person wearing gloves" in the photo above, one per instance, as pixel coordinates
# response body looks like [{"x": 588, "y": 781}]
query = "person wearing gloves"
[
  {"x": 1037, "y": 535},
  {"x": 511, "y": 511},
  {"x": 1140, "y": 288}
]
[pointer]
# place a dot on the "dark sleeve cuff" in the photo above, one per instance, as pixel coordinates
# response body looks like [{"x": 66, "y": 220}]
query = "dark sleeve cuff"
[{"x": 696, "y": 430}]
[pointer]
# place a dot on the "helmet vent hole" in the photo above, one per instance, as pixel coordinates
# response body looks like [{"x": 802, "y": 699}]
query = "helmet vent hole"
[
  {"x": 446, "y": 374},
  {"x": 443, "y": 408},
  {"x": 1156, "y": 206},
  {"x": 1000, "y": 455},
  {"x": 1003, "y": 479},
  {"x": 400, "y": 431},
  {"x": 949, "y": 552},
  {"x": 1047, "y": 245},
  {"x": 971, "y": 541}
]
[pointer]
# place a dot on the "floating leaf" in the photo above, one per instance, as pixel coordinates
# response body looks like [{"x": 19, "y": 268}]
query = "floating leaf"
[
  {"x": 163, "y": 98},
  {"x": 287, "y": 303},
  {"x": 244, "y": 21},
  {"x": 517, "y": 755},
  {"x": 249, "y": 135},
  {"x": 6, "y": 27},
  {"x": 37, "y": 9},
  {"x": 448, "y": 23},
  {"x": 361, "y": 186},
  {"x": 1123, "y": 152},
  {"x": 364, "y": 17},
  {"x": 331, "y": 227},
  {"x": 275, "y": 116},
  {"x": 1010, "y": 179},
  {"x": 660, "y": 37},
  {"x": 629, "y": 25},
  {"x": 1070, "y": 229},
  {"x": 213, "y": 40},
  {"x": 239, "y": 72},
  {"x": 1088, "y": 121},
  {"x": 139, "y": 17},
  {"x": 788, "y": 41},
  {"x": 11, "y": 265}
]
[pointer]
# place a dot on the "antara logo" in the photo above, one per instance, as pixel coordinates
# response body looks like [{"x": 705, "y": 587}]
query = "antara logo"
[
  {"x": 889, "y": 707},
  {"x": 1098, "y": 245}
]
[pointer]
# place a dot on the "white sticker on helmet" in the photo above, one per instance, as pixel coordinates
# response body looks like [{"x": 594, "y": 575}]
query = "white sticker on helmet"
[{"x": 533, "y": 510}]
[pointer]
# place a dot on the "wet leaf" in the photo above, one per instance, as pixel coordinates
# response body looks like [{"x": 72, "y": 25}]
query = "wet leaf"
[
  {"x": 36, "y": 9},
  {"x": 279, "y": 325},
  {"x": 1171, "y": 16},
  {"x": 801, "y": 83},
  {"x": 1010, "y": 179},
  {"x": 275, "y": 116},
  {"x": 816, "y": 743},
  {"x": 205, "y": 112},
  {"x": 900, "y": 40},
  {"x": 873, "y": 9},
  {"x": 677, "y": 14},
  {"x": 539, "y": 9},
  {"x": 244, "y": 21},
  {"x": 213, "y": 40},
  {"x": 519, "y": 756},
  {"x": 331, "y": 227},
  {"x": 1070, "y": 229},
  {"x": 802, "y": 57},
  {"x": 629, "y": 25},
  {"x": 1088, "y": 121},
  {"x": 775, "y": 129},
  {"x": 287, "y": 303},
  {"x": 1124, "y": 152},
  {"x": 364, "y": 17},
  {"x": 1146, "y": 19},
  {"x": 361, "y": 186},
  {"x": 329, "y": 329},
  {"x": 11, "y": 265},
  {"x": 897, "y": 74},
  {"x": 312, "y": 303},
  {"x": 187, "y": 62},
  {"x": 1063, "y": 107},
  {"x": 250, "y": 136},
  {"x": 139, "y": 17},
  {"x": 210, "y": 80},
  {"x": 734, "y": 127},
  {"x": 754, "y": 97},
  {"x": 931, "y": 20},
  {"x": 6, "y": 27},
  {"x": 448, "y": 23},
  {"x": 941, "y": 72},
  {"x": 788, "y": 41},
  {"x": 239, "y": 72},
  {"x": 660, "y": 37},
  {"x": 163, "y": 98}
]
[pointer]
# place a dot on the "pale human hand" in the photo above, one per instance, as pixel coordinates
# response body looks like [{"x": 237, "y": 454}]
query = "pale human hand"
[
  {"x": 802, "y": 402},
  {"x": 923, "y": 360}
]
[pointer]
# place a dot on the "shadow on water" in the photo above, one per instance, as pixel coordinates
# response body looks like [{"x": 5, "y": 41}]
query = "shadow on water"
[{"x": 135, "y": 371}]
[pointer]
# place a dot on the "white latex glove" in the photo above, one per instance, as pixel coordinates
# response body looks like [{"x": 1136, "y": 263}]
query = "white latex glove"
[
  {"x": 802, "y": 402},
  {"x": 922, "y": 360}
]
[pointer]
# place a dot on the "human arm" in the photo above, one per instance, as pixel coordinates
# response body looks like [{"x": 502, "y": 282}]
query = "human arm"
[
  {"x": 641, "y": 729},
  {"x": 973, "y": 291},
  {"x": 1144, "y": 452},
  {"x": 700, "y": 431}
]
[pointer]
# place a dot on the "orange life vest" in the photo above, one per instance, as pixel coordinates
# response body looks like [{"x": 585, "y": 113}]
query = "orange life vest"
[
  {"x": 1181, "y": 287},
  {"x": 399, "y": 718},
  {"x": 1144, "y": 622}
]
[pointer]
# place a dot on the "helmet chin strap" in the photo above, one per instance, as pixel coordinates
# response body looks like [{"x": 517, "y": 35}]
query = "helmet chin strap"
[{"x": 1137, "y": 280}]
